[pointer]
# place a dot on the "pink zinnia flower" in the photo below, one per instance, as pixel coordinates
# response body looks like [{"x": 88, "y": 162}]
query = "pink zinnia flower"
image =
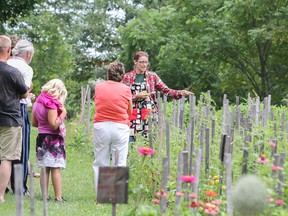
[
  {"x": 193, "y": 195},
  {"x": 216, "y": 202},
  {"x": 273, "y": 167},
  {"x": 179, "y": 194},
  {"x": 279, "y": 202},
  {"x": 262, "y": 159},
  {"x": 188, "y": 179},
  {"x": 270, "y": 199},
  {"x": 272, "y": 143},
  {"x": 156, "y": 201},
  {"x": 211, "y": 211},
  {"x": 146, "y": 151},
  {"x": 162, "y": 193}
]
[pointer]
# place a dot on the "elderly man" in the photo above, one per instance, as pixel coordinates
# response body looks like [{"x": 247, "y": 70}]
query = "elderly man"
[
  {"x": 22, "y": 56},
  {"x": 12, "y": 89}
]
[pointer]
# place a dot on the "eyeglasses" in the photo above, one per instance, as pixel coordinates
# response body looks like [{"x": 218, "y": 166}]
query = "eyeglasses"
[{"x": 143, "y": 62}]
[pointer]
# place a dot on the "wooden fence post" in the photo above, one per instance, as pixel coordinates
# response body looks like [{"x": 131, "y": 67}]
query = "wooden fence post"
[
  {"x": 228, "y": 165},
  {"x": 18, "y": 182},
  {"x": 178, "y": 184},
  {"x": 164, "y": 180},
  {"x": 281, "y": 174},
  {"x": 168, "y": 147},
  {"x": 197, "y": 170},
  {"x": 32, "y": 191}
]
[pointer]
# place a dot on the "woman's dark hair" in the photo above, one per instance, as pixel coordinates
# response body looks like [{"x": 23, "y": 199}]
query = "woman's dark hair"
[
  {"x": 116, "y": 71},
  {"x": 140, "y": 54}
]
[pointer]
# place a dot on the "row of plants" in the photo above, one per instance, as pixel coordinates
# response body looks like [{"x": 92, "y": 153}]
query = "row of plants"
[{"x": 251, "y": 195}]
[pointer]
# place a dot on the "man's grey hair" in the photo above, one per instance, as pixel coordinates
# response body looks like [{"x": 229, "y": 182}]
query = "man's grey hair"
[{"x": 22, "y": 47}]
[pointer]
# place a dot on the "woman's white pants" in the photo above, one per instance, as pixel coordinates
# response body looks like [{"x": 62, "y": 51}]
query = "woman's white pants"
[{"x": 109, "y": 138}]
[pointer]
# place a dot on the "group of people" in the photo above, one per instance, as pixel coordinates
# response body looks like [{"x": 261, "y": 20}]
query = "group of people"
[
  {"x": 122, "y": 105},
  {"x": 48, "y": 114}
]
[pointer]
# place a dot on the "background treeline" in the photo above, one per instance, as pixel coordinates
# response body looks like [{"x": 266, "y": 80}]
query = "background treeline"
[{"x": 234, "y": 47}]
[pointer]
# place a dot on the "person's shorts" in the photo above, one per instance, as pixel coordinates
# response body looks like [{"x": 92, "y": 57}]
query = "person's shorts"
[{"x": 10, "y": 143}]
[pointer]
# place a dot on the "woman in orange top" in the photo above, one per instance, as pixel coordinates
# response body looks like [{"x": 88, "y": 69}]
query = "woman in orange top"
[{"x": 113, "y": 105}]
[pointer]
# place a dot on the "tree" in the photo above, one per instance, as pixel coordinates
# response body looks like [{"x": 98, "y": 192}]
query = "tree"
[
  {"x": 230, "y": 47},
  {"x": 12, "y": 10}
]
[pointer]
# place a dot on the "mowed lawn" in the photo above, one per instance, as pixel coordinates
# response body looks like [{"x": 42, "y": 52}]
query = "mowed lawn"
[{"x": 78, "y": 186}]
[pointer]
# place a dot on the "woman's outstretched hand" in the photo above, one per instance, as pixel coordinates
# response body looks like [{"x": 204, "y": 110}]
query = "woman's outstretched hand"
[{"x": 185, "y": 93}]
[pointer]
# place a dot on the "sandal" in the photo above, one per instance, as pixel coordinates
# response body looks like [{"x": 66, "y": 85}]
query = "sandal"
[{"x": 61, "y": 200}]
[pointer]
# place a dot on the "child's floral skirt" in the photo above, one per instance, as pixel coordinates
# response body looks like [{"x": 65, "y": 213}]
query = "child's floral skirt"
[{"x": 50, "y": 151}]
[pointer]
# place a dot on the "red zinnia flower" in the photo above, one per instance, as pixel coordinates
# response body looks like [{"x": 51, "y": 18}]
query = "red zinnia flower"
[
  {"x": 211, "y": 193},
  {"x": 194, "y": 204},
  {"x": 146, "y": 151}
]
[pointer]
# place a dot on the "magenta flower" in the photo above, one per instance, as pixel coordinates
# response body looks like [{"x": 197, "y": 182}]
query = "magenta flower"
[
  {"x": 146, "y": 151},
  {"x": 179, "y": 194},
  {"x": 262, "y": 159},
  {"x": 216, "y": 202},
  {"x": 273, "y": 167},
  {"x": 156, "y": 201},
  {"x": 272, "y": 143},
  {"x": 193, "y": 195},
  {"x": 162, "y": 193},
  {"x": 188, "y": 179},
  {"x": 279, "y": 202},
  {"x": 211, "y": 211}
]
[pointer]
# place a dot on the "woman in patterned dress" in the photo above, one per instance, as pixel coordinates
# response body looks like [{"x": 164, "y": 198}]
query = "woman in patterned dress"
[{"x": 143, "y": 84}]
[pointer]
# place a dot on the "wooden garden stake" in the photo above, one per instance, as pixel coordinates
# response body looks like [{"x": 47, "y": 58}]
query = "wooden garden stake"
[
  {"x": 222, "y": 152},
  {"x": 228, "y": 165},
  {"x": 274, "y": 148},
  {"x": 185, "y": 170},
  {"x": 207, "y": 151},
  {"x": 197, "y": 170},
  {"x": 202, "y": 137},
  {"x": 44, "y": 192},
  {"x": 18, "y": 182},
  {"x": 191, "y": 148},
  {"x": 164, "y": 105},
  {"x": 275, "y": 163},
  {"x": 247, "y": 140},
  {"x": 164, "y": 180},
  {"x": 238, "y": 115},
  {"x": 178, "y": 183},
  {"x": 150, "y": 136},
  {"x": 187, "y": 144},
  {"x": 32, "y": 191},
  {"x": 281, "y": 174},
  {"x": 168, "y": 146},
  {"x": 174, "y": 113}
]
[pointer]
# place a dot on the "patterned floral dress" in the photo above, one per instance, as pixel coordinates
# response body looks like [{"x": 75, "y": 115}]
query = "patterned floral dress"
[{"x": 141, "y": 108}]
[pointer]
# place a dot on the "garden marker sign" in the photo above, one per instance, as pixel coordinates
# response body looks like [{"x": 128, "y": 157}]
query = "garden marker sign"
[{"x": 113, "y": 185}]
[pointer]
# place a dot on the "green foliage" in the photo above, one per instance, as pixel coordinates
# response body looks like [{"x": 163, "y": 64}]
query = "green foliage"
[{"x": 13, "y": 9}]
